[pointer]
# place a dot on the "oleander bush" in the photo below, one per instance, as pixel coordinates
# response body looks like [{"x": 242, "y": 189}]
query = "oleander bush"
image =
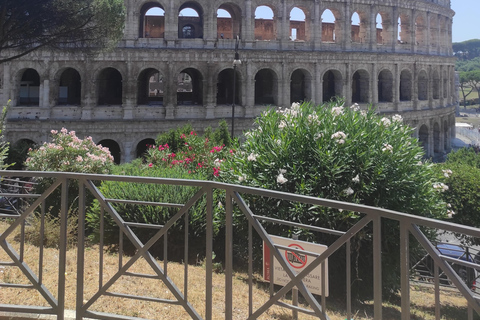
[{"x": 340, "y": 153}]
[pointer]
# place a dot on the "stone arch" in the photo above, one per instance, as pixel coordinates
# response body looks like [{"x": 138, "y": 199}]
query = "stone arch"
[
  {"x": 109, "y": 87},
  {"x": 225, "y": 87},
  {"x": 385, "y": 86},
  {"x": 69, "y": 87},
  {"x": 143, "y": 146},
  {"x": 190, "y": 26},
  {"x": 329, "y": 26},
  {"x": 420, "y": 30},
  {"x": 299, "y": 28},
  {"x": 29, "y": 88},
  {"x": 436, "y": 138},
  {"x": 332, "y": 85},
  {"x": 150, "y": 87},
  {"x": 406, "y": 85},
  {"x": 360, "y": 86},
  {"x": 190, "y": 87},
  {"x": 422, "y": 85},
  {"x": 433, "y": 32},
  {"x": 266, "y": 87},
  {"x": 114, "y": 148},
  {"x": 300, "y": 86},
  {"x": 229, "y": 28},
  {"x": 423, "y": 137},
  {"x": 359, "y": 32},
  {"x": 265, "y": 28},
  {"x": 435, "y": 85},
  {"x": 152, "y": 20},
  {"x": 383, "y": 28}
]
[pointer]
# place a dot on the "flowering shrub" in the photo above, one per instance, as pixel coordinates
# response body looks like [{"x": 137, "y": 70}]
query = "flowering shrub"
[
  {"x": 68, "y": 153},
  {"x": 194, "y": 153},
  {"x": 340, "y": 153}
]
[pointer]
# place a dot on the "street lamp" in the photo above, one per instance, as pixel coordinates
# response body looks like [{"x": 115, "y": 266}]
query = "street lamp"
[{"x": 236, "y": 62}]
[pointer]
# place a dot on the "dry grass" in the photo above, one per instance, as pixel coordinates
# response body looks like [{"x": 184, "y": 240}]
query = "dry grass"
[{"x": 454, "y": 306}]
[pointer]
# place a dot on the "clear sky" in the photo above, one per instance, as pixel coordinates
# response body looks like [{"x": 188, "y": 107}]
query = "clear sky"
[{"x": 466, "y": 22}]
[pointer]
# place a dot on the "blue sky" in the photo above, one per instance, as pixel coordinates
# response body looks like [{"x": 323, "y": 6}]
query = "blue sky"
[{"x": 466, "y": 23}]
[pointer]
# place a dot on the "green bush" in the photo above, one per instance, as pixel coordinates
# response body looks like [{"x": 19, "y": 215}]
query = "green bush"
[
  {"x": 461, "y": 176},
  {"x": 153, "y": 214},
  {"x": 343, "y": 154}
]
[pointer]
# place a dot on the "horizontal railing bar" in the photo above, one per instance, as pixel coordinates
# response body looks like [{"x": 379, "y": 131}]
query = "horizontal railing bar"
[
  {"x": 144, "y": 225},
  {"x": 26, "y": 309},
  {"x": 460, "y": 262},
  {"x": 292, "y": 307},
  {"x": 20, "y": 195},
  {"x": 15, "y": 180},
  {"x": 142, "y": 275},
  {"x": 7, "y": 263},
  {"x": 129, "y": 296},
  {"x": 308, "y": 253},
  {"x": 146, "y": 203},
  {"x": 16, "y": 285},
  {"x": 300, "y": 225},
  {"x": 6, "y": 215}
]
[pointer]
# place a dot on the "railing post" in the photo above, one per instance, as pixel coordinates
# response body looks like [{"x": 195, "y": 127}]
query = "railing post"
[
  {"x": 62, "y": 255},
  {"x": 80, "y": 249},
  {"x": 228, "y": 254},
  {"x": 208, "y": 255},
  {"x": 405, "y": 270},
  {"x": 377, "y": 267}
]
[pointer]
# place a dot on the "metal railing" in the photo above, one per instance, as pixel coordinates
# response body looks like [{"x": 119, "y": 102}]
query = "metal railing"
[{"x": 409, "y": 227}]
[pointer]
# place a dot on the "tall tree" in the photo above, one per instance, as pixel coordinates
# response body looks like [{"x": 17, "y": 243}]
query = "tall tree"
[
  {"x": 88, "y": 25},
  {"x": 464, "y": 87}
]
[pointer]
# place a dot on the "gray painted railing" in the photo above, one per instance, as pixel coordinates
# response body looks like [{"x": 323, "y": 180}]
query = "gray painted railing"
[{"x": 409, "y": 226}]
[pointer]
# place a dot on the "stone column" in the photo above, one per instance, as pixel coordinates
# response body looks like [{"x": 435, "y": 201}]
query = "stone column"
[
  {"x": 210, "y": 99},
  {"x": 427, "y": 42},
  {"x": 347, "y": 27},
  {"x": 248, "y": 29},
  {"x": 249, "y": 92},
  {"x": 373, "y": 29},
  {"x": 348, "y": 84},
  {"x": 318, "y": 85},
  {"x": 430, "y": 87},
  {"x": 394, "y": 24},
  {"x": 44, "y": 100},
  {"x": 171, "y": 24},
  {"x": 373, "y": 92},
  {"x": 170, "y": 93},
  {"x": 396, "y": 87},
  {"x": 316, "y": 31},
  {"x": 209, "y": 25},
  {"x": 284, "y": 26},
  {"x": 88, "y": 96},
  {"x": 413, "y": 39}
]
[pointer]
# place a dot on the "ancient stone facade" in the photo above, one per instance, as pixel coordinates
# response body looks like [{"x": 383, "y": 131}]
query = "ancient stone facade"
[{"x": 172, "y": 68}]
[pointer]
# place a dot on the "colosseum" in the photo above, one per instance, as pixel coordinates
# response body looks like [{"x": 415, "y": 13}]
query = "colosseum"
[{"x": 175, "y": 64}]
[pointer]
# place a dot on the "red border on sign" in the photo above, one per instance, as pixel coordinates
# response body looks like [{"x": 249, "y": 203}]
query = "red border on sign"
[{"x": 286, "y": 256}]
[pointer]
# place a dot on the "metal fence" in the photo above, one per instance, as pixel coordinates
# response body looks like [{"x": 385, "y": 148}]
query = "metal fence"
[{"x": 410, "y": 227}]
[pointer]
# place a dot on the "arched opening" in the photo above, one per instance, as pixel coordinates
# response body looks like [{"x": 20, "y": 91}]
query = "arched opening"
[
  {"x": 225, "y": 87},
  {"x": 114, "y": 148},
  {"x": 385, "y": 86},
  {"x": 266, "y": 90},
  {"x": 405, "y": 86},
  {"x": 229, "y": 21},
  {"x": 150, "y": 87},
  {"x": 18, "y": 153},
  {"x": 356, "y": 34},
  {"x": 436, "y": 138},
  {"x": 109, "y": 87},
  {"x": 423, "y": 138},
  {"x": 360, "y": 87},
  {"x": 433, "y": 36},
  {"x": 143, "y": 146},
  {"x": 152, "y": 21},
  {"x": 379, "y": 24},
  {"x": 190, "y": 87},
  {"x": 436, "y": 85},
  {"x": 403, "y": 36},
  {"x": 422, "y": 84},
  {"x": 265, "y": 25},
  {"x": 300, "y": 86},
  {"x": 332, "y": 85},
  {"x": 190, "y": 21},
  {"x": 420, "y": 34},
  {"x": 70, "y": 88},
  {"x": 29, "y": 94},
  {"x": 298, "y": 26},
  {"x": 328, "y": 26}
]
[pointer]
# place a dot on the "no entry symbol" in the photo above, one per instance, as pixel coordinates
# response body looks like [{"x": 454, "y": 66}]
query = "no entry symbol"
[{"x": 295, "y": 259}]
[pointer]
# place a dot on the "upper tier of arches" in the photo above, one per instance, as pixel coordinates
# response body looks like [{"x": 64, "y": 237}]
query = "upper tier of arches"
[{"x": 386, "y": 26}]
